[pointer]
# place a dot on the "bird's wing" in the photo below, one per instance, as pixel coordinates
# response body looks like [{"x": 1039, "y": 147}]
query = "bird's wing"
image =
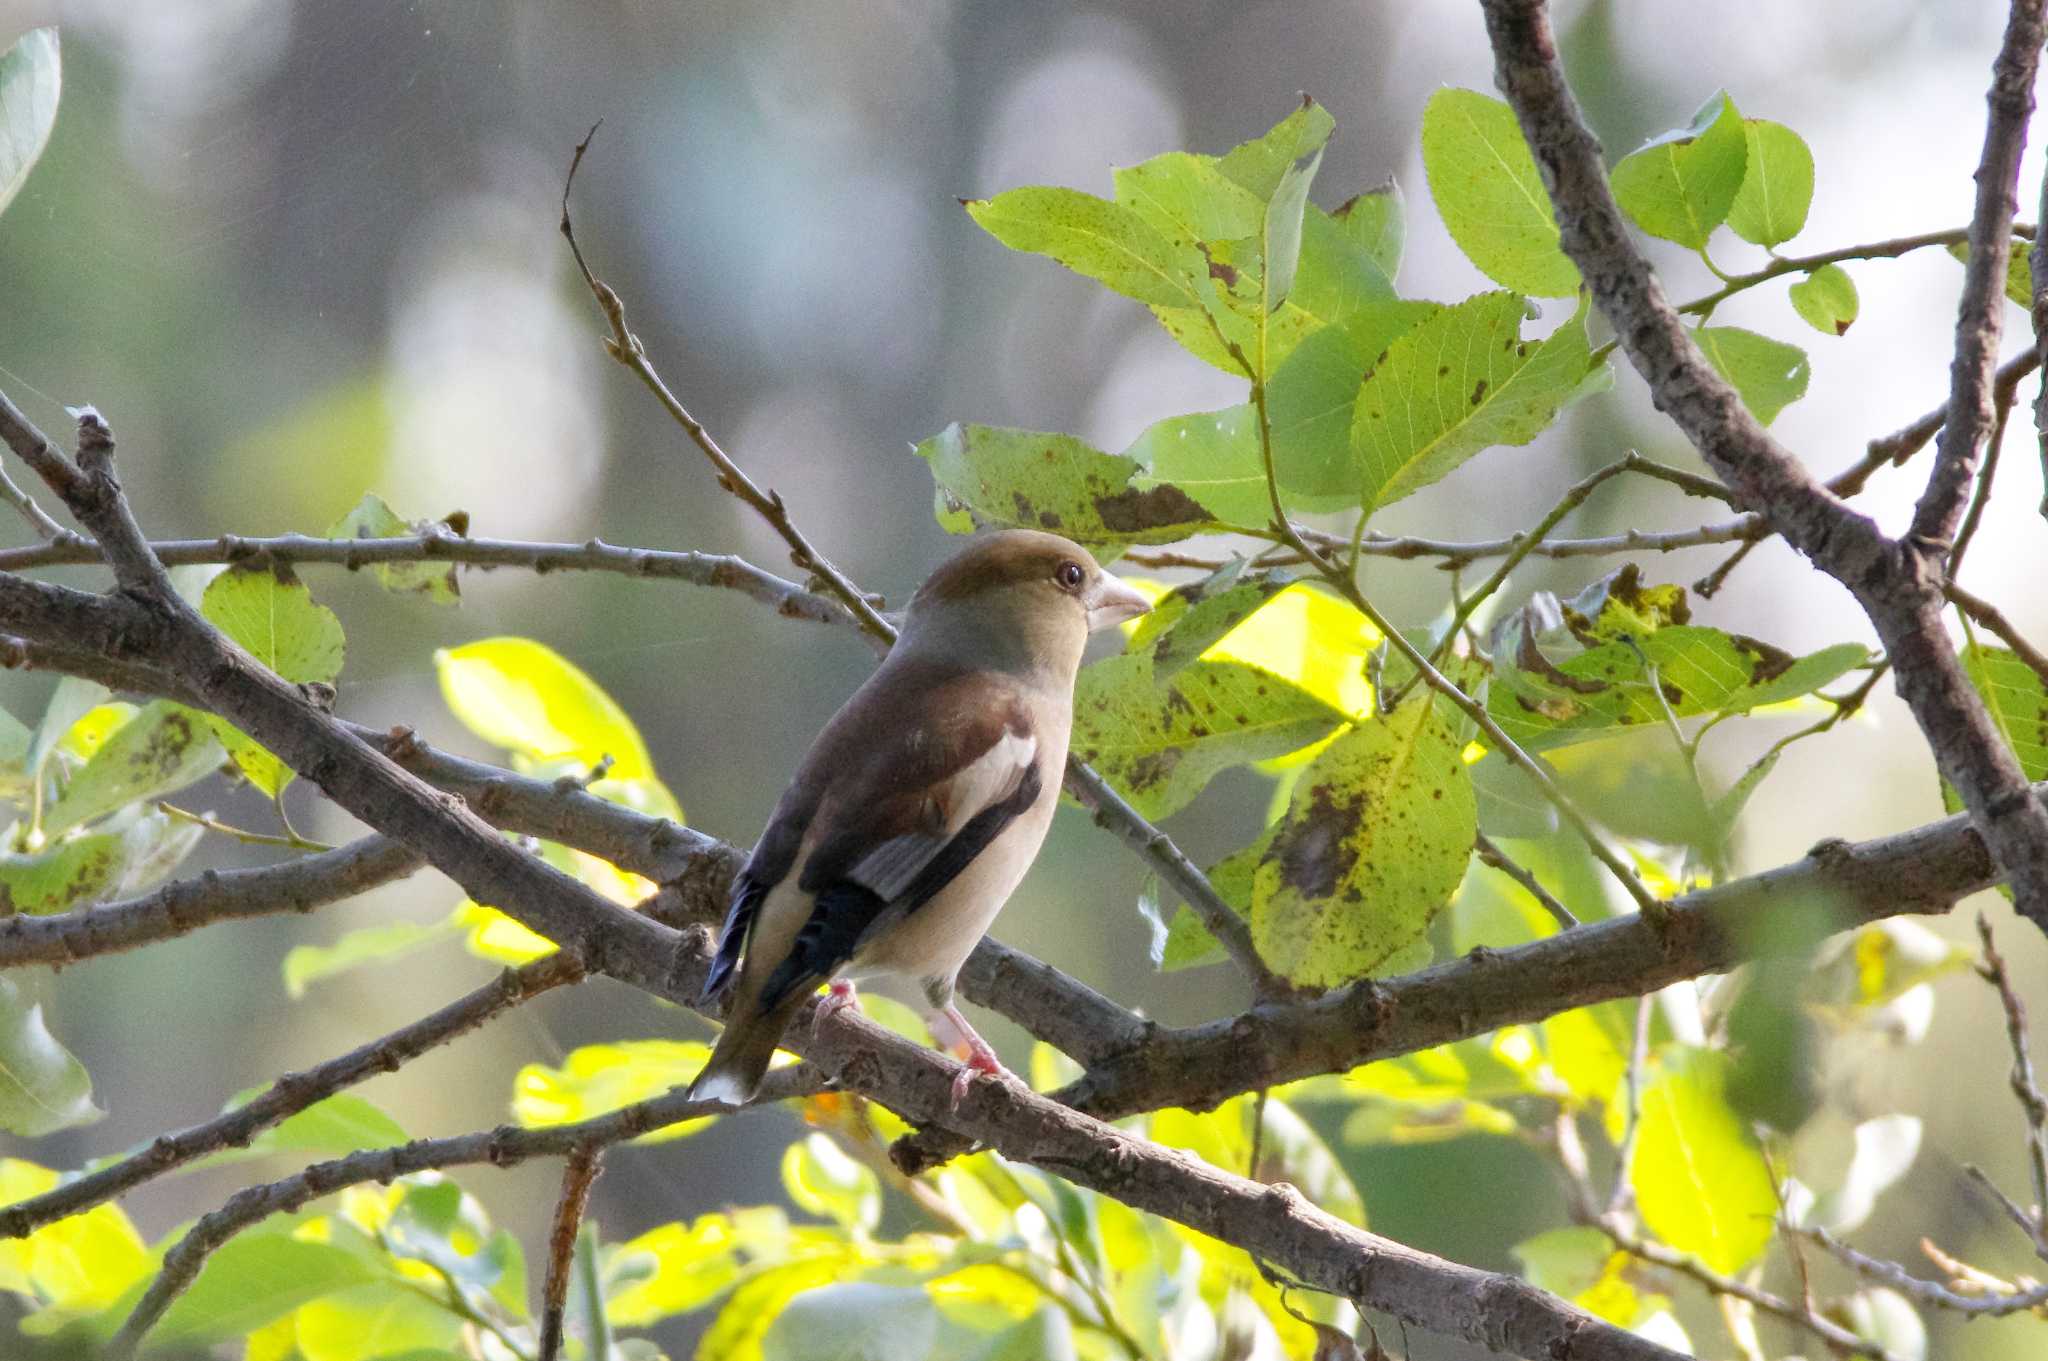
[
  {"x": 906, "y": 785},
  {"x": 895, "y": 833}
]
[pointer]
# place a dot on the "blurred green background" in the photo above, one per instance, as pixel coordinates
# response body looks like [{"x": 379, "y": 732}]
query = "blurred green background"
[{"x": 296, "y": 251}]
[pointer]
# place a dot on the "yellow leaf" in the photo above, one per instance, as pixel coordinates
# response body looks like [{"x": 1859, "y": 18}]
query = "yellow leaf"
[
  {"x": 1310, "y": 638},
  {"x": 599, "y": 1078},
  {"x": 526, "y": 697}
]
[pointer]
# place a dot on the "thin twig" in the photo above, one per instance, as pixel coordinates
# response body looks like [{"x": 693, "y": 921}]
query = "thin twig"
[
  {"x": 1650, "y": 1250},
  {"x": 2024, "y": 1087},
  {"x": 579, "y": 1174},
  {"x": 2001, "y": 401},
  {"x": 438, "y": 543},
  {"x": 1493, "y": 857},
  {"x": 1993, "y": 619},
  {"x": 291, "y": 1094},
  {"x": 1933, "y": 1294},
  {"x": 290, "y": 841},
  {"x": 39, "y": 521},
  {"x": 1624, "y": 1161},
  {"x": 1806, "y": 264}
]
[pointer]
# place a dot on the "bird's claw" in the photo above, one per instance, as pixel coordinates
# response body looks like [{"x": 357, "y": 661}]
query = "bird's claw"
[{"x": 837, "y": 999}]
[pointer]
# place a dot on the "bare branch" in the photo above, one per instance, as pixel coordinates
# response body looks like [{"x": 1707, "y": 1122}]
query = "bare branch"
[
  {"x": 215, "y": 896},
  {"x": 1933, "y": 1294},
  {"x": 291, "y": 1094},
  {"x": 1993, "y": 620},
  {"x": 2024, "y": 1087},
  {"x": 440, "y": 544},
  {"x": 1980, "y": 316},
  {"x": 579, "y": 1174},
  {"x": 1494, "y": 857}
]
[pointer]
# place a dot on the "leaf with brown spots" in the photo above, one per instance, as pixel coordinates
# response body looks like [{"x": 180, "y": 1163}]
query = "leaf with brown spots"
[
  {"x": 1024, "y": 479},
  {"x": 162, "y": 749},
  {"x": 1189, "y": 618},
  {"x": 83, "y": 868},
  {"x": 1159, "y": 744},
  {"x": 1460, "y": 382},
  {"x": 1374, "y": 843}
]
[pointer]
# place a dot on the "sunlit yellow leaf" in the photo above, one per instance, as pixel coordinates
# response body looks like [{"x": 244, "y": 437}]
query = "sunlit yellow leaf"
[
  {"x": 599, "y": 1078},
  {"x": 524, "y": 696},
  {"x": 75, "y": 1265},
  {"x": 1310, "y": 638},
  {"x": 84, "y": 737}
]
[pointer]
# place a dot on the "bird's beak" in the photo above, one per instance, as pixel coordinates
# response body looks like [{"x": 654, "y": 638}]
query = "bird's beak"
[{"x": 1112, "y": 601}]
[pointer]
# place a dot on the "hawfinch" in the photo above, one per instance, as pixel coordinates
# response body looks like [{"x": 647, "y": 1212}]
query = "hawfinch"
[{"x": 920, "y": 805}]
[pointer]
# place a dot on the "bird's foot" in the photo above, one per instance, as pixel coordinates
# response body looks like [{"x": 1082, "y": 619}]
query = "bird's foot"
[
  {"x": 975, "y": 1055},
  {"x": 838, "y": 998}
]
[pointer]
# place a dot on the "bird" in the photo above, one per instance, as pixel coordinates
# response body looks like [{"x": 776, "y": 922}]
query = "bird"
[{"x": 919, "y": 806}]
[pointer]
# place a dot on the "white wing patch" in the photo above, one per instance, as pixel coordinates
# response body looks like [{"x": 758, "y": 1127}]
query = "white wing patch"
[{"x": 890, "y": 868}]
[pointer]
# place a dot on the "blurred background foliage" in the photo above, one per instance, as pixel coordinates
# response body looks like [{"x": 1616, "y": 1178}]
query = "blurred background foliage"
[{"x": 302, "y": 251}]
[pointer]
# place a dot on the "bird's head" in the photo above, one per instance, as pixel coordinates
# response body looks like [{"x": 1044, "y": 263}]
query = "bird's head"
[{"x": 1019, "y": 600}]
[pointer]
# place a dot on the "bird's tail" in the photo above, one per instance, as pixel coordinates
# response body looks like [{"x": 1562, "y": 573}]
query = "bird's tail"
[{"x": 740, "y": 1059}]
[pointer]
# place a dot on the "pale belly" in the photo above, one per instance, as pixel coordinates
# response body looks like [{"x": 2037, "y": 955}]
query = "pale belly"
[{"x": 934, "y": 941}]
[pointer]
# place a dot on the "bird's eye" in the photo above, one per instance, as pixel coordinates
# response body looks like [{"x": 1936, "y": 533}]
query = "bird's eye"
[{"x": 1069, "y": 575}]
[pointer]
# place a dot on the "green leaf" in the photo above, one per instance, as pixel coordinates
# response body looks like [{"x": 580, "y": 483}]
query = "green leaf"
[
  {"x": 1376, "y": 221},
  {"x": 2017, "y": 699},
  {"x": 1187, "y": 620},
  {"x": 1105, "y": 241},
  {"x": 1312, "y": 398},
  {"x": 1373, "y": 845},
  {"x": 2019, "y": 270},
  {"x": 1699, "y": 1175},
  {"x": 384, "y": 1320},
  {"x": 1186, "y": 943},
  {"x": 1768, "y": 374},
  {"x": 254, "y": 1278},
  {"x": 1777, "y": 184},
  {"x": 526, "y": 697},
  {"x": 1263, "y": 164},
  {"x": 333, "y": 1127},
  {"x": 305, "y": 965},
  {"x": 1701, "y": 670},
  {"x": 70, "y": 702},
  {"x": 42, "y": 1087},
  {"x": 272, "y": 617},
  {"x": 1160, "y": 743},
  {"x": 1025, "y": 479},
  {"x": 675, "y": 1269},
  {"x": 162, "y": 749},
  {"x": 599, "y": 1078},
  {"x": 1826, "y": 300},
  {"x": 372, "y": 519},
  {"x": 15, "y": 742},
  {"x": 78, "y": 1265},
  {"x": 1681, "y": 185},
  {"x": 1462, "y": 381},
  {"x": 31, "y": 78},
  {"x": 865, "y": 1321},
  {"x": 1210, "y": 455},
  {"x": 89, "y": 867},
  {"x": 822, "y": 1179},
  {"x": 1583, "y": 1266},
  {"x": 1281, "y": 240},
  {"x": 1490, "y": 195}
]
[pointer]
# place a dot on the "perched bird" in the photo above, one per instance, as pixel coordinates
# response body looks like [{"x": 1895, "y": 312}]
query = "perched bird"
[{"x": 920, "y": 805}]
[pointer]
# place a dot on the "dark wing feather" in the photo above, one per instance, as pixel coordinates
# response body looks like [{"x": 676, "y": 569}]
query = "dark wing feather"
[
  {"x": 870, "y": 779},
  {"x": 845, "y": 913}
]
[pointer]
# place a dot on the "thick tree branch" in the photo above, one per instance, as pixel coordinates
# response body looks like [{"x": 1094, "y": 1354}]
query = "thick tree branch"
[
  {"x": 1980, "y": 316},
  {"x": 1709, "y": 931},
  {"x": 1898, "y": 585}
]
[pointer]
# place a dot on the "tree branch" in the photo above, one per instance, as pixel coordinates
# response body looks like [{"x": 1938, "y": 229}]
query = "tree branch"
[
  {"x": 1980, "y": 316},
  {"x": 291, "y": 1094},
  {"x": 1898, "y": 586},
  {"x": 579, "y": 1174},
  {"x": 215, "y": 896},
  {"x": 441, "y": 544}
]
